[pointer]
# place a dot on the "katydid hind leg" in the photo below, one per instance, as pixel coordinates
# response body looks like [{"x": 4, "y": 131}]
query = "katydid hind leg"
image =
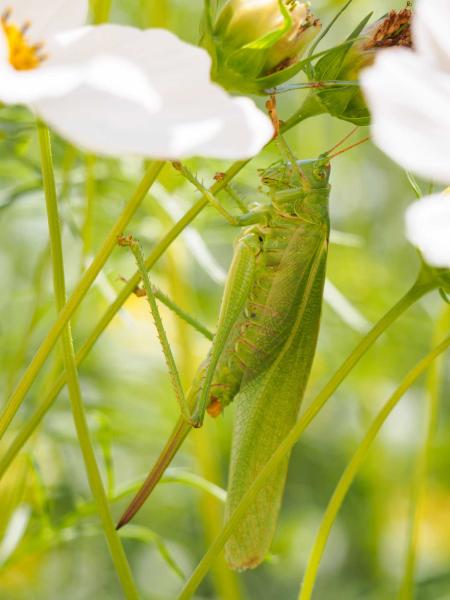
[
  {"x": 236, "y": 289},
  {"x": 239, "y": 281},
  {"x": 173, "y": 444}
]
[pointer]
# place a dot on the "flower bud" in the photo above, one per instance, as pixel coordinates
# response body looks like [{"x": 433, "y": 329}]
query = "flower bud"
[
  {"x": 255, "y": 39},
  {"x": 348, "y": 103},
  {"x": 394, "y": 29}
]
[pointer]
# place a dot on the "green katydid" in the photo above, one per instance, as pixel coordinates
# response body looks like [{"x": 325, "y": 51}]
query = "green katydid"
[{"x": 262, "y": 352}]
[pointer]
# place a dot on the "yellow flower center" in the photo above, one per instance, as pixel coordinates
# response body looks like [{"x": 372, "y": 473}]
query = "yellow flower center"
[{"x": 23, "y": 55}]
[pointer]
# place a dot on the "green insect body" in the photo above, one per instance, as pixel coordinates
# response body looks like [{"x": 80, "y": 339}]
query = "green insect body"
[{"x": 263, "y": 350}]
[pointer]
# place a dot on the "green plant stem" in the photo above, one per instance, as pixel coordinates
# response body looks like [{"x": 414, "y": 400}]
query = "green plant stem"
[
  {"x": 420, "y": 288},
  {"x": 88, "y": 225},
  {"x": 327, "y": 28},
  {"x": 155, "y": 13},
  {"x": 93, "y": 473},
  {"x": 171, "y": 476},
  {"x": 353, "y": 467},
  {"x": 35, "y": 317},
  {"x": 68, "y": 162},
  {"x": 100, "y": 11},
  {"x": 76, "y": 298},
  {"x": 289, "y": 87},
  {"x": 423, "y": 461}
]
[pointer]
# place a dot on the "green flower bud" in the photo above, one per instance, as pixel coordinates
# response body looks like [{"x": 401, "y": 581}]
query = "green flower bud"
[
  {"x": 257, "y": 40},
  {"x": 340, "y": 64}
]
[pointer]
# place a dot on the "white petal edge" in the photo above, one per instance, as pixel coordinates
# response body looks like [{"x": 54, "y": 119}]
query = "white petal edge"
[
  {"x": 428, "y": 228},
  {"x": 46, "y": 17},
  {"x": 409, "y": 102},
  {"x": 107, "y": 116},
  {"x": 75, "y": 61},
  {"x": 26, "y": 87},
  {"x": 431, "y": 33}
]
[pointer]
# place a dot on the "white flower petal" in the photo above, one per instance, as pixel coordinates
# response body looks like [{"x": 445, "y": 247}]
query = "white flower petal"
[
  {"x": 50, "y": 79},
  {"x": 25, "y": 87},
  {"x": 75, "y": 60},
  {"x": 428, "y": 228},
  {"x": 431, "y": 33},
  {"x": 46, "y": 17},
  {"x": 410, "y": 101},
  {"x": 167, "y": 109}
]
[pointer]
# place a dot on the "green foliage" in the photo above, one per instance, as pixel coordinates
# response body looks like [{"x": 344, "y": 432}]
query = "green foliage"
[
  {"x": 344, "y": 103},
  {"x": 52, "y": 542}
]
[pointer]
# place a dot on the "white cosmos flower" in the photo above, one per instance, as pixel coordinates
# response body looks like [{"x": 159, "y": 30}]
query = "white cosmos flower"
[
  {"x": 428, "y": 228},
  {"x": 408, "y": 92},
  {"x": 117, "y": 90}
]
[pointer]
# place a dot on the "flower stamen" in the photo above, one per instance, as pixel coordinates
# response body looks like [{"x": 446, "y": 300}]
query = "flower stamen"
[{"x": 23, "y": 55}]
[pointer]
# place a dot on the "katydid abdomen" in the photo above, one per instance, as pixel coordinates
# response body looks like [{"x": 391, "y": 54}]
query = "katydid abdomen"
[
  {"x": 264, "y": 346},
  {"x": 266, "y": 408}
]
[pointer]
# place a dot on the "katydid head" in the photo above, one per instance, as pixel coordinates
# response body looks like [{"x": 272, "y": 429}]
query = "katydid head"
[
  {"x": 302, "y": 176},
  {"x": 288, "y": 191},
  {"x": 316, "y": 172}
]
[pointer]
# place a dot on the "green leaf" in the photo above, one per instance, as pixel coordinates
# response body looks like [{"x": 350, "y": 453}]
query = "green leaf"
[
  {"x": 345, "y": 103},
  {"x": 146, "y": 535},
  {"x": 330, "y": 65},
  {"x": 329, "y": 27}
]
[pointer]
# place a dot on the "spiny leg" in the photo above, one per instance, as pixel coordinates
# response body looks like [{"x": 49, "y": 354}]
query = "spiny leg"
[
  {"x": 239, "y": 280},
  {"x": 173, "y": 444},
  {"x": 236, "y": 197},
  {"x": 249, "y": 218},
  {"x": 171, "y": 305},
  {"x": 237, "y": 287},
  {"x": 232, "y": 193},
  {"x": 129, "y": 241},
  {"x": 208, "y": 195}
]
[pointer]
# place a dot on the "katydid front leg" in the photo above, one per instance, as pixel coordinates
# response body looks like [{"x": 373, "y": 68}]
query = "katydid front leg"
[{"x": 236, "y": 290}]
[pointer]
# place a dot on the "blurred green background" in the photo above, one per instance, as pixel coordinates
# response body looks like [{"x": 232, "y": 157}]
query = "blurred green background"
[{"x": 52, "y": 544}]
